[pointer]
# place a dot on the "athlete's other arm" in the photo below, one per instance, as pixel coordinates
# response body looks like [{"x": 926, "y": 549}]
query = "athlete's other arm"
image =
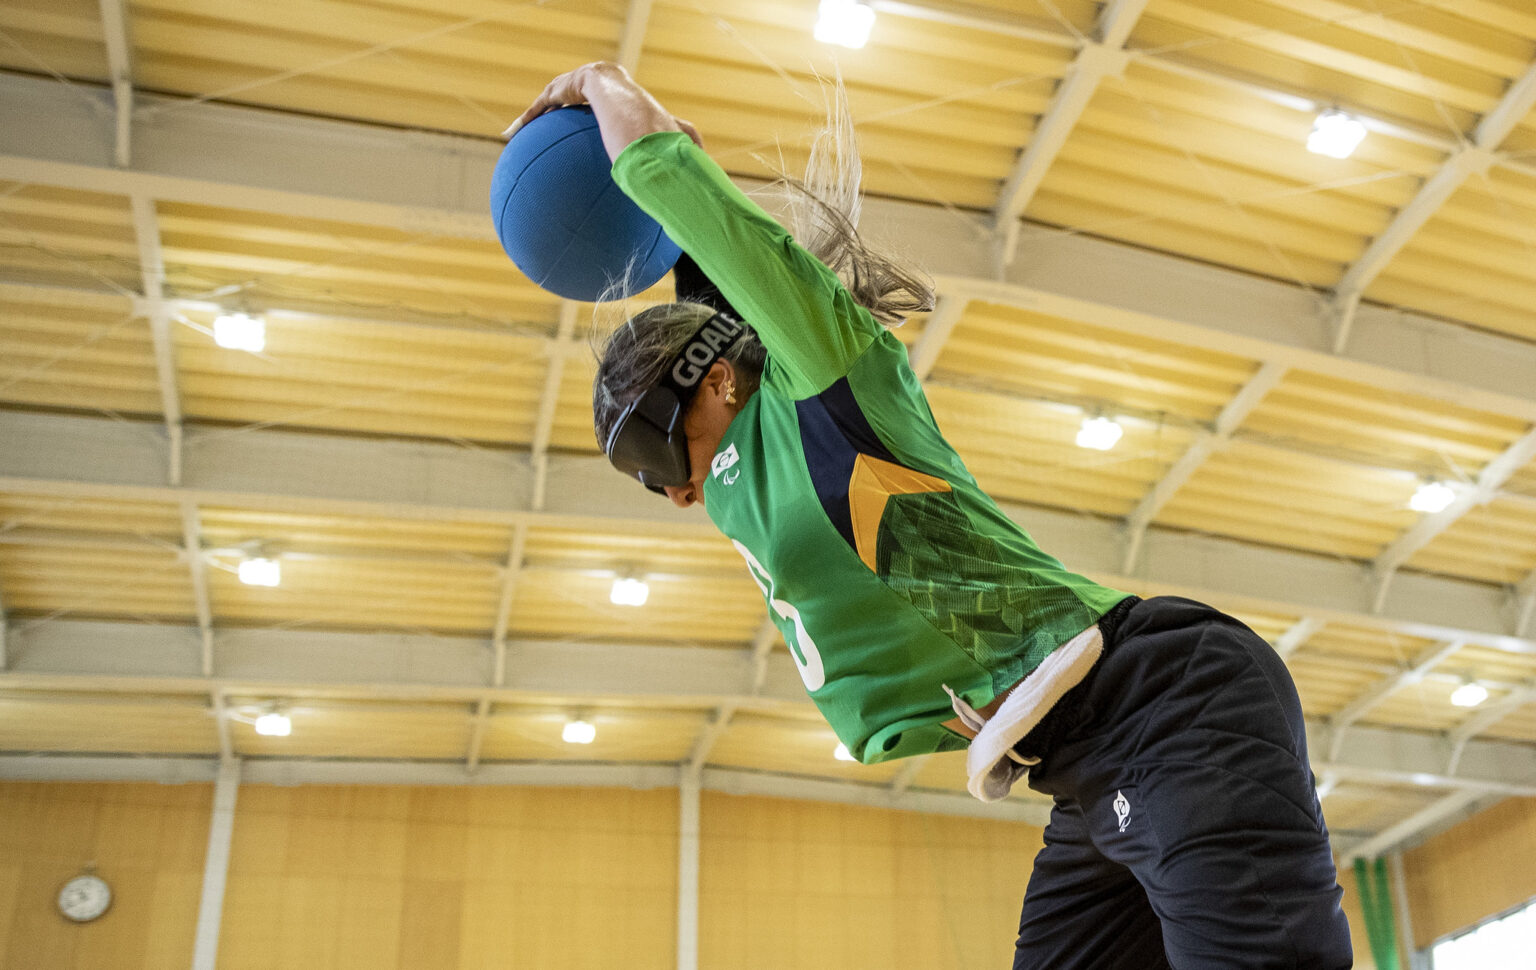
[{"x": 625, "y": 111}]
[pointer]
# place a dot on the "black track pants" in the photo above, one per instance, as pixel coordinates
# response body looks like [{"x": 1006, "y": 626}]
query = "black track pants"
[{"x": 1186, "y": 831}]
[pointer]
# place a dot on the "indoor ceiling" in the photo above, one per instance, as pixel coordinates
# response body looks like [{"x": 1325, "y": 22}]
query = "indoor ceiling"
[{"x": 1122, "y": 217}]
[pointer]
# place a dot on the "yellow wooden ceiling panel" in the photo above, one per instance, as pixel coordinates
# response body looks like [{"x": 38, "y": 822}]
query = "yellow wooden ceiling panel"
[
  {"x": 1314, "y": 208},
  {"x": 78, "y": 513},
  {"x": 1291, "y": 245},
  {"x": 297, "y": 532},
  {"x": 1499, "y": 204},
  {"x": 1518, "y": 726},
  {"x": 918, "y": 59},
  {"x": 1294, "y": 500},
  {"x": 1367, "y": 643},
  {"x": 711, "y": 556},
  {"x": 796, "y": 747},
  {"x": 325, "y": 728},
  {"x": 276, "y": 259},
  {"x": 90, "y": 579},
  {"x": 390, "y": 378},
  {"x": 1494, "y": 543},
  {"x": 1026, "y": 452},
  {"x": 1424, "y": 706},
  {"x": 1360, "y": 808},
  {"x": 46, "y": 37},
  {"x": 1493, "y": 665},
  {"x": 1417, "y": 434},
  {"x": 81, "y": 724},
  {"x": 704, "y": 608},
  {"x": 1452, "y": 271},
  {"x": 1487, "y": 310},
  {"x": 523, "y": 734},
  {"x": 1327, "y": 684},
  {"x": 332, "y": 592},
  {"x": 1247, "y": 134},
  {"x": 1035, "y": 355},
  {"x": 426, "y": 68},
  {"x": 64, "y": 237},
  {"x": 1166, "y": 229},
  {"x": 1295, "y": 36}
]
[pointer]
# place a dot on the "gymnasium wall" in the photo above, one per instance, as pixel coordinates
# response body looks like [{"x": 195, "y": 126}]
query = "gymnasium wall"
[
  {"x": 1474, "y": 870},
  {"x": 426, "y": 878},
  {"x": 477, "y": 877}
]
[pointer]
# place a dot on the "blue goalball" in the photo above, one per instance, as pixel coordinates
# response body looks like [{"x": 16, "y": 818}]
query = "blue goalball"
[{"x": 564, "y": 221}]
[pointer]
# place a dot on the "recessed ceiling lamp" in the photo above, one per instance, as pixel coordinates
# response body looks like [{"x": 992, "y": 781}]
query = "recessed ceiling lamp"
[
  {"x": 1469, "y": 694},
  {"x": 260, "y": 572},
  {"x": 274, "y": 724},
  {"x": 577, "y": 731},
  {"x": 1099, "y": 433},
  {"x": 841, "y": 753},
  {"x": 844, "y": 22},
  {"x": 1432, "y": 497},
  {"x": 1335, "y": 134},
  {"x": 629, "y": 591},
  {"x": 240, "y": 331}
]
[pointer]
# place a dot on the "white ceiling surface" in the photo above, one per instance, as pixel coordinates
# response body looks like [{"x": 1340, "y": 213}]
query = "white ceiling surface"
[{"x": 1291, "y": 346}]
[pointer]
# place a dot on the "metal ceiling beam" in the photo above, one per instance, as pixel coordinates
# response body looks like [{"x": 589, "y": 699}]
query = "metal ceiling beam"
[
  {"x": 284, "y": 771},
  {"x": 152, "y": 662},
  {"x": 1175, "y": 62},
  {"x": 1096, "y": 60},
  {"x": 946, "y": 314},
  {"x": 1473, "y": 158},
  {"x": 1296, "y": 635},
  {"x": 114, "y": 29},
  {"x": 224, "y": 156},
  {"x": 512, "y": 568},
  {"x": 633, "y": 39},
  {"x": 1492, "y": 478},
  {"x": 1432, "y": 817},
  {"x": 1422, "y": 664},
  {"x": 418, "y": 480},
  {"x": 1162, "y": 492}
]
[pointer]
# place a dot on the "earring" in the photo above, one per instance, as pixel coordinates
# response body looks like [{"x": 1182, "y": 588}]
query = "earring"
[{"x": 730, "y": 391}]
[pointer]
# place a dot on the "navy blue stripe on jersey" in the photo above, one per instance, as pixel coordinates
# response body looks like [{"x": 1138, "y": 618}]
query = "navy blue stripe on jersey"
[
  {"x": 844, "y": 408},
  {"x": 829, "y": 458},
  {"x": 833, "y": 433}
]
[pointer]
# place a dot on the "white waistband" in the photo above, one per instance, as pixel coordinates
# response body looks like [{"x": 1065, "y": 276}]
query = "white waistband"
[{"x": 991, "y": 764}]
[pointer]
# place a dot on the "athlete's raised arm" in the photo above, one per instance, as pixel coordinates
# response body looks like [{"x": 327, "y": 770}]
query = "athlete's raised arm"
[{"x": 625, "y": 111}]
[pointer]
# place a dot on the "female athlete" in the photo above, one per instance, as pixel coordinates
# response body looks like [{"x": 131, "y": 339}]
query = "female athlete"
[{"x": 1186, "y": 831}]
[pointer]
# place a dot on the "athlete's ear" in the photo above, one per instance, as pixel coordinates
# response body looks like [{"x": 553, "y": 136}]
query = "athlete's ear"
[{"x": 719, "y": 381}]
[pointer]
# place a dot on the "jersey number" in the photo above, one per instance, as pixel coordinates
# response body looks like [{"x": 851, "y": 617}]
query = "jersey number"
[{"x": 801, "y": 646}]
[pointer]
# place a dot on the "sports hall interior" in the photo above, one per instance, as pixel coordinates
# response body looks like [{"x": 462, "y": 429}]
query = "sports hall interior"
[{"x": 1322, "y": 370}]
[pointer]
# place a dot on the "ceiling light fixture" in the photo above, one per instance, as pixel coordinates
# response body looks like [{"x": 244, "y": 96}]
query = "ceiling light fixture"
[
  {"x": 1335, "y": 134},
  {"x": 629, "y": 591},
  {"x": 1099, "y": 433},
  {"x": 1432, "y": 497},
  {"x": 577, "y": 731},
  {"x": 274, "y": 724},
  {"x": 1469, "y": 694},
  {"x": 260, "y": 572},
  {"x": 240, "y": 331},
  {"x": 846, "y": 23},
  {"x": 841, "y": 753}
]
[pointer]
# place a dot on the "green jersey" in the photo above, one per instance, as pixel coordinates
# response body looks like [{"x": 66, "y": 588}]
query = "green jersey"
[{"x": 889, "y": 573}]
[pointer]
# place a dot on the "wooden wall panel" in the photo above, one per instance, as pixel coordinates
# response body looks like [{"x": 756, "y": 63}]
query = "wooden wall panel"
[
  {"x": 147, "y": 841},
  {"x": 785, "y": 885},
  {"x": 1472, "y": 871},
  {"x": 451, "y": 878}
]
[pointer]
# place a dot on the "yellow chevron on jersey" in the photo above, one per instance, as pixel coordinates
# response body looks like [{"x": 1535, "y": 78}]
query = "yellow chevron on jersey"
[{"x": 871, "y": 485}]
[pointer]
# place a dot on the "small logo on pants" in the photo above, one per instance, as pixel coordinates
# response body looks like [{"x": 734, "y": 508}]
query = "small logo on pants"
[{"x": 1122, "y": 810}]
